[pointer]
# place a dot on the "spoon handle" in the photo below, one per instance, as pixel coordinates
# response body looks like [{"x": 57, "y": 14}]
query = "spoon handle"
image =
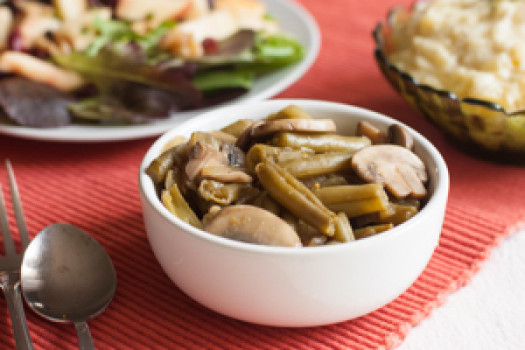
[
  {"x": 85, "y": 341},
  {"x": 15, "y": 305}
]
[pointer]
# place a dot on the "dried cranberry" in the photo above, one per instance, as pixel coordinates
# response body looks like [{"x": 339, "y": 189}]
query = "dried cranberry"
[
  {"x": 110, "y": 3},
  {"x": 15, "y": 42},
  {"x": 39, "y": 53},
  {"x": 210, "y": 45}
]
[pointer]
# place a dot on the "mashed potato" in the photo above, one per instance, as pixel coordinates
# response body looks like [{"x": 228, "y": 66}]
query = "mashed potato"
[{"x": 473, "y": 48}]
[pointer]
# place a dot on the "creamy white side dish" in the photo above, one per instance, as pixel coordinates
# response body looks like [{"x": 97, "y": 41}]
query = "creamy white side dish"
[{"x": 473, "y": 48}]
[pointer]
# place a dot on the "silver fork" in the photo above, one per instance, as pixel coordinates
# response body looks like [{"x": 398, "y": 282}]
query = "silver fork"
[{"x": 10, "y": 263}]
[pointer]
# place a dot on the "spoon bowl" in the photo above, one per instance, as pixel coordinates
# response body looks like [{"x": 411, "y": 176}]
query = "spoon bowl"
[{"x": 67, "y": 276}]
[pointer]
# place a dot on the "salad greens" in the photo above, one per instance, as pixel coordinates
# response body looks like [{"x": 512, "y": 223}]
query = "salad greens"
[
  {"x": 128, "y": 63},
  {"x": 120, "y": 61}
]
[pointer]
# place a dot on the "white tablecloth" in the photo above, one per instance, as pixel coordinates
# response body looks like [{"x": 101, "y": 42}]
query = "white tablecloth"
[{"x": 487, "y": 314}]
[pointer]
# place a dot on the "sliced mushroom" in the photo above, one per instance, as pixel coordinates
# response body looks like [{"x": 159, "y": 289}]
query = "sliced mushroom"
[
  {"x": 202, "y": 155},
  {"x": 234, "y": 155},
  {"x": 262, "y": 129},
  {"x": 251, "y": 224},
  {"x": 212, "y": 159},
  {"x": 375, "y": 135},
  {"x": 238, "y": 127},
  {"x": 401, "y": 171},
  {"x": 399, "y": 135},
  {"x": 296, "y": 125},
  {"x": 224, "y": 173}
]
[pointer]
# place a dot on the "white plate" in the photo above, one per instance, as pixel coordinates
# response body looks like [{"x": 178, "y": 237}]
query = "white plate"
[{"x": 293, "y": 19}]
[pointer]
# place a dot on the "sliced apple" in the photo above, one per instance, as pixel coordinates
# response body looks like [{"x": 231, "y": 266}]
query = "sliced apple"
[
  {"x": 6, "y": 22},
  {"x": 158, "y": 11},
  {"x": 39, "y": 70},
  {"x": 69, "y": 10},
  {"x": 186, "y": 39}
]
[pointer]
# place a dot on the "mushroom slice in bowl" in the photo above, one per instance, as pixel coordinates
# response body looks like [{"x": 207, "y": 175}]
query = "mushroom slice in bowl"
[
  {"x": 251, "y": 224},
  {"x": 401, "y": 171}
]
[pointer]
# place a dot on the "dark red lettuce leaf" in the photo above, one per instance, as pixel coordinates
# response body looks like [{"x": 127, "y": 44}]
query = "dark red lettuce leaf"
[{"x": 34, "y": 104}]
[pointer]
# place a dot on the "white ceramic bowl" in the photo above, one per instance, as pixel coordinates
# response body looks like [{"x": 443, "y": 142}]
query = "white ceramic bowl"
[{"x": 294, "y": 287}]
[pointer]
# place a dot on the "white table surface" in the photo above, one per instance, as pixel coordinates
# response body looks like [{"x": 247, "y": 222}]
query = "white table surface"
[{"x": 486, "y": 314}]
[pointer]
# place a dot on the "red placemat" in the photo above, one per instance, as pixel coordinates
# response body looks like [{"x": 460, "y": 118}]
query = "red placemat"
[{"x": 95, "y": 187}]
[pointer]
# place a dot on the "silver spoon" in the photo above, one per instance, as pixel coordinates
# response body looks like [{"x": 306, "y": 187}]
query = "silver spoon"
[{"x": 68, "y": 276}]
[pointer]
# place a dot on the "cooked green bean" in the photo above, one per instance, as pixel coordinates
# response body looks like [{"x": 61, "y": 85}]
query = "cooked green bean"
[
  {"x": 159, "y": 167},
  {"x": 288, "y": 164},
  {"x": 321, "y": 143},
  {"x": 350, "y": 193},
  {"x": 343, "y": 229},
  {"x": 371, "y": 230},
  {"x": 263, "y": 200},
  {"x": 358, "y": 207},
  {"x": 176, "y": 204},
  {"x": 318, "y": 164},
  {"x": 290, "y": 112},
  {"x": 238, "y": 127},
  {"x": 397, "y": 214},
  {"x": 219, "y": 192},
  {"x": 259, "y": 152},
  {"x": 295, "y": 197}
]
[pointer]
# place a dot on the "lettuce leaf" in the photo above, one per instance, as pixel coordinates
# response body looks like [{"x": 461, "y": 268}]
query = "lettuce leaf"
[
  {"x": 222, "y": 79},
  {"x": 118, "y": 33},
  {"x": 109, "y": 69}
]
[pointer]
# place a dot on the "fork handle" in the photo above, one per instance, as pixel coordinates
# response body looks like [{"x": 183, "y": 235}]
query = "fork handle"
[{"x": 13, "y": 298}]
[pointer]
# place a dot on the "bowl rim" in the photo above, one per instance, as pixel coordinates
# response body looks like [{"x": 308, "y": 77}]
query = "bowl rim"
[
  {"x": 148, "y": 192},
  {"x": 380, "y": 55}
]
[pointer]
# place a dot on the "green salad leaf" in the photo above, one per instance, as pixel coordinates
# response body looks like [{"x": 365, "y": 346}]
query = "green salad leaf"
[
  {"x": 115, "y": 32},
  {"x": 265, "y": 54},
  {"x": 136, "y": 80},
  {"x": 222, "y": 79}
]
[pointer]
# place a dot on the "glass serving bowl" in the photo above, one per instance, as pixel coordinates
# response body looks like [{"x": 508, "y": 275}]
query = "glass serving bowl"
[{"x": 476, "y": 126}]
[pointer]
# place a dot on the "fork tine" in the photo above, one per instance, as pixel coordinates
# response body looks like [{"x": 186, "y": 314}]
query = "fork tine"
[
  {"x": 9, "y": 245},
  {"x": 17, "y": 204}
]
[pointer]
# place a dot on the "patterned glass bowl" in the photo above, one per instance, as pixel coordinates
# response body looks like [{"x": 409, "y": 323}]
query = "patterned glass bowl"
[{"x": 477, "y": 126}]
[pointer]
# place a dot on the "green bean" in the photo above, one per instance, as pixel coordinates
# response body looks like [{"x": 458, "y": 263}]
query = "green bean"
[
  {"x": 309, "y": 235},
  {"x": 263, "y": 200},
  {"x": 343, "y": 229},
  {"x": 397, "y": 214},
  {"x": 224, "y": 136},
  {"x": 318, "y": 164},
  {"x": 413, "y": 202},
  {"x": 290, "y": 112},
  {"x": 358, "y": 207},
  {"x": 321, "y": 143},
  {"x": 159, "y": 167},
  {"x": 238, "y": 127},
  {"x": 349, "y": 193},
  {"x": 371, "y": 230},
  {"x": 219, "y": 192},
  {"x": 176, "y": 204},
  {"x": 295, "y": 197},
  {"x": 316, "y": 241},
  {"x": 259, "y": 152},
  {"x": 171, "y": 177},
  {"x": 331, "y": 180}
]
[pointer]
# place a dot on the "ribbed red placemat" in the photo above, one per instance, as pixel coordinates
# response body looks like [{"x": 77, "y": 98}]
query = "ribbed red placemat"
[{"x": 95, "y": 187}]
